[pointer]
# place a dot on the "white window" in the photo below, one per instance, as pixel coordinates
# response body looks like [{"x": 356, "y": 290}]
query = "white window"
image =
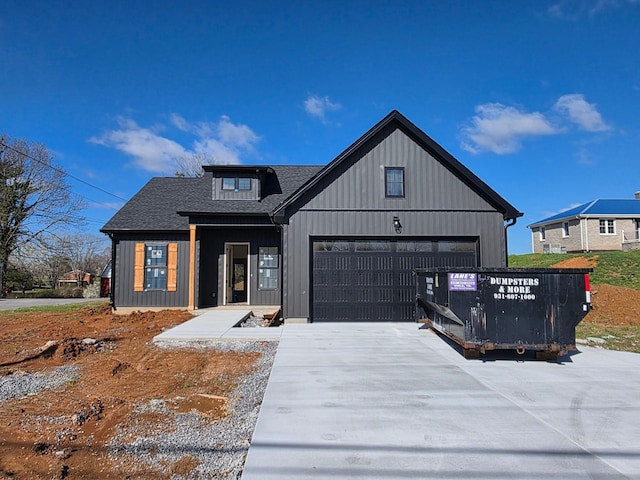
[
  {"x": 607, "y": 227},
  {"x": 543, "y": 234},
  {"x": 565, "y": 229}
]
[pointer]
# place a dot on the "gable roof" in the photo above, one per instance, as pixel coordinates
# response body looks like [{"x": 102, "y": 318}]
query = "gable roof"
[
  {"x": 395, "y": 118},
  {"x": 164, "y": 202},
  {"x": 597, "y": 208}
]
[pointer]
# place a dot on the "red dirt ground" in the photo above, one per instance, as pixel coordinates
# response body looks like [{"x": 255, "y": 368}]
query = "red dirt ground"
[
  {"x": 611, "y": 305},
  {"x": 62, "y": 433}
]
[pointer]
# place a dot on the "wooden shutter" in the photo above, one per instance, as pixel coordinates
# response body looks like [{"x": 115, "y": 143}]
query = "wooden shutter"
[
  {"x": 138, "y": 272},
  {"x": 172, "y": 267}
]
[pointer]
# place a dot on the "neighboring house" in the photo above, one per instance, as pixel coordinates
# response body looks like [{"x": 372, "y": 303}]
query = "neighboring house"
[
  {"x": 105, "y": 281},
  {"x": 71, "y": 279},
  {"x": 332, "y": 243},
  {"x": 597, "y": 225}
]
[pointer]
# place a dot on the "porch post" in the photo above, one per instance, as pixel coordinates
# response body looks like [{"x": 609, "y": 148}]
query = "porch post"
[{"x": 192, "y": 267}]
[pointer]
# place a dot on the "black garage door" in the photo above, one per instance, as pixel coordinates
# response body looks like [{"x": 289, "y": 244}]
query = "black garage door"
[{"x": 371, "y": 280}]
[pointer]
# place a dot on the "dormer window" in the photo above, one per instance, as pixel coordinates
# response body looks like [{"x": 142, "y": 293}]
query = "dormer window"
[{"x": 236, "y": 184}]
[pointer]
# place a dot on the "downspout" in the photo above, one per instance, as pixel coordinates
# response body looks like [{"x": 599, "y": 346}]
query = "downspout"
[
  {"x": 506, "y": 241},
  {"x": 586, "y": 232},
  {"x": 112, "y": 289}
]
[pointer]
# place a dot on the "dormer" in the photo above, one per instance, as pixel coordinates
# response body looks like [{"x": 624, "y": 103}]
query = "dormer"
[{"x": 238, "y": 182}]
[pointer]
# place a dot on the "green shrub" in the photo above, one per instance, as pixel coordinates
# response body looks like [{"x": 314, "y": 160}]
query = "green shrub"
[{"x": 92, "y": 291}]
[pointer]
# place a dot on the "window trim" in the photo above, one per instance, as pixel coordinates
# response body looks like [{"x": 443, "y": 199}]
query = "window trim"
[
  {"x": 387, "y": 170},
  {"x": 565, "y": 229},
  {"x": 605, "y": 223},
  {"x": 543, "y": 234},
  {"x": 236, "y": 184}
]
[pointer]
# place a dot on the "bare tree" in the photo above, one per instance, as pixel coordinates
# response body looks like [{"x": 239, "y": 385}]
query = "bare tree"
[
  {"x": 34, "y": 196},
  {"x": 86, "y": 254},
  {"x": 190, "y": 165}
]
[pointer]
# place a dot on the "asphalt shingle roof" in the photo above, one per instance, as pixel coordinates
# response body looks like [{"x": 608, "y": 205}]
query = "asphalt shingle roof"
[
  {"x": 155, "y": 207},
  {"x": 600, "y": 207}
]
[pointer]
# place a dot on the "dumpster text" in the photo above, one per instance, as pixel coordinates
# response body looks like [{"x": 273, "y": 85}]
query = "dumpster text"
[
  {"x": 463, "y": 282},
  {"x": 514, "y": 288}
]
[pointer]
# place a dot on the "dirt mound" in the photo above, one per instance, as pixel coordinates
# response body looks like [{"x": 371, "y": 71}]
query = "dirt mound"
[
  {"x": 577, "y": 262},
  {"x": 64, "y": 432},
  {"x": 614, "y": 305},
  {"x": 611, "y": 305}
]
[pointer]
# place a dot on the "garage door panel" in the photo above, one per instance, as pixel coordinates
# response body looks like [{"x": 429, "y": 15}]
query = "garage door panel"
[{"x": 372, "y": 280}]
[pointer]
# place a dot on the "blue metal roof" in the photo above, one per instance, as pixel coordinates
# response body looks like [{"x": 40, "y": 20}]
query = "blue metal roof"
[{"x": 600, "y": 207}]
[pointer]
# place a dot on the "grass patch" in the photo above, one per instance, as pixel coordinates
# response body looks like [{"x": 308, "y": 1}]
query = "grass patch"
[
  {"x": 71, "y": 307},
  {"x": 616, "y": 337},
  {"x": 538, "y": 260},
  {"x": 621, "y": 269}
]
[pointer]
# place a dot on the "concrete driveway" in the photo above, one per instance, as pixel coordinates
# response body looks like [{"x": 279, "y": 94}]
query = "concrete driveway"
[
  {"x": 15, "y": 303},
  {"x": 389, "y": 401}
]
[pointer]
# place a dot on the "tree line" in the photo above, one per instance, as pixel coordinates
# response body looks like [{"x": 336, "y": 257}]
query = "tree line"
[{"x": 41, "y": 222}]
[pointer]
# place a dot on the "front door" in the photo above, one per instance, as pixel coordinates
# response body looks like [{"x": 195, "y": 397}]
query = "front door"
[
  {"x": 239, "y": 284},
  {"x": 237, "y": 274}
]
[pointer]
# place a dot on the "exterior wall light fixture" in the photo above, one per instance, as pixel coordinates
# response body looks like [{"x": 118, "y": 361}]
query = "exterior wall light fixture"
[{"x": 397, "y": 226}]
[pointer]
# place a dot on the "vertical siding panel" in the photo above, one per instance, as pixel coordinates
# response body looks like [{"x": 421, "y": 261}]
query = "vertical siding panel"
[
  {"x": 129, "y": 252},
  {"x": 212, "y": 280},
  {"x": 428, "y": 184}
]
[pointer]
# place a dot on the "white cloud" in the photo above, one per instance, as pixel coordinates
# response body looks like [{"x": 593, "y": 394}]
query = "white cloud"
[
  {"x": 149, "y": 150},
  {"x": 222, "y": 153},
  {"x": 318, "y": 107},
  {"x": 570, "y": 207},
  {"x": 575, "y": 9},
  {"x": 222, "y": 142},
  {"x": 501, "y": 129},
  {"x": 236, "y": 136},
  {"x": 179, "y": 122},
  {"x": 581, "y": 112}
]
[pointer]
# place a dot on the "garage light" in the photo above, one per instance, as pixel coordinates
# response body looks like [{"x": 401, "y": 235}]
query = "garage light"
[{"x": 397, "y": 225}]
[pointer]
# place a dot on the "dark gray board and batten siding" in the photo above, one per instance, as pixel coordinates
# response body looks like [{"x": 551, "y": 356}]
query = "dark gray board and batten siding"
[
  {"x": 350, "y": 201},
  {"x": 212, "y": 241},
  {"x": 124, "y": 294},
  {"x": 210, "y": 250}
]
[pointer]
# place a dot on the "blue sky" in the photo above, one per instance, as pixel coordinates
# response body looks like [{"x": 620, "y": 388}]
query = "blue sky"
[{"x": 540, "y": 99}]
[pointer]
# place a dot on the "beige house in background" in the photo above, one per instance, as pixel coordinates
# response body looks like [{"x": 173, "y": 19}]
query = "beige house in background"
[{"x": 597, "y": 225}]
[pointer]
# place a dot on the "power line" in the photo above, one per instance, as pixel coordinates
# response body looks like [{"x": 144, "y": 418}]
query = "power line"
[{"x": 59, "y": 170}]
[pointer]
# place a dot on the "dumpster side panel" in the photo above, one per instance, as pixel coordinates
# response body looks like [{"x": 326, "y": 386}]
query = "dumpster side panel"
[
  {"x": 523, "y": 309},
  {"x": 515, "y": 306}
]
